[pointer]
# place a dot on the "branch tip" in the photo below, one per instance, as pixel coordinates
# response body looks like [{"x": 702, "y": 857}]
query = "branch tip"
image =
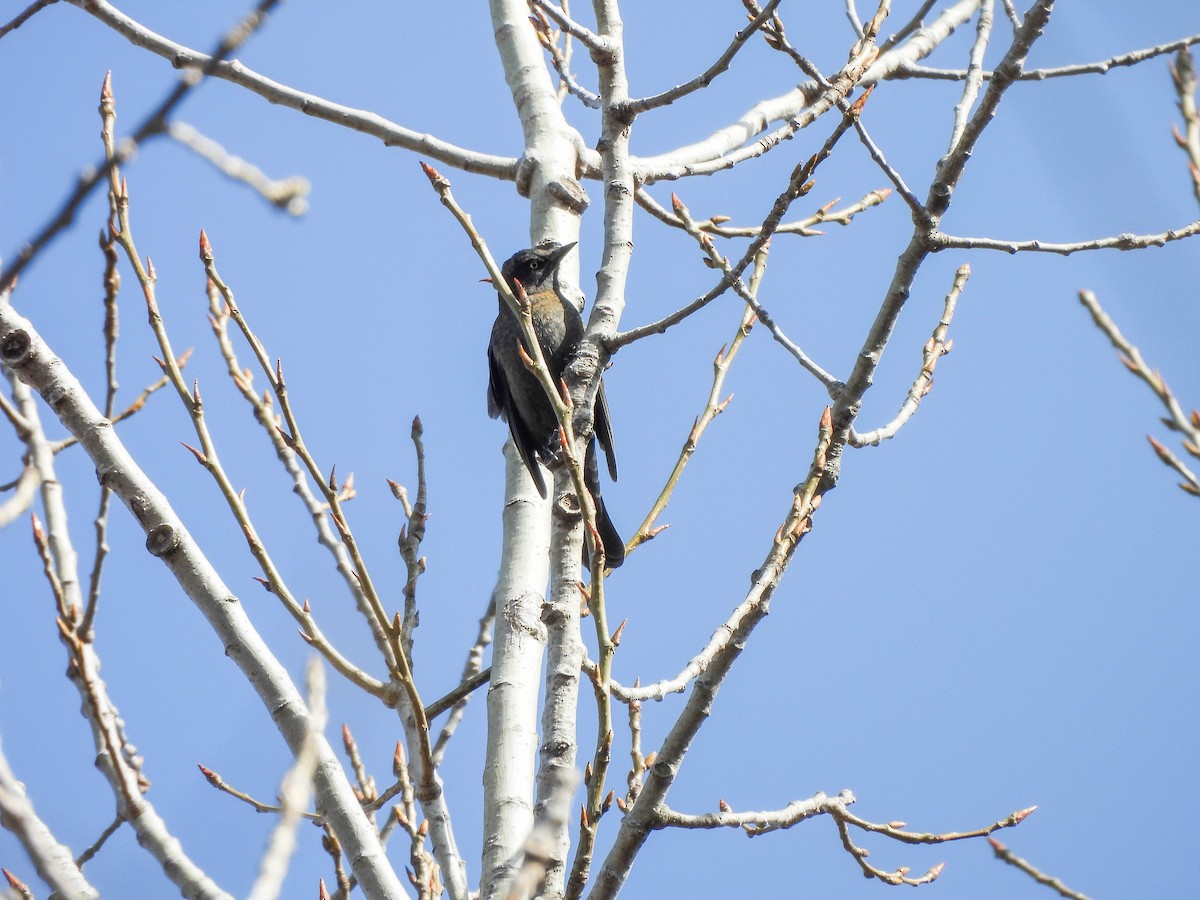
[{"x": 436, "y": 178}]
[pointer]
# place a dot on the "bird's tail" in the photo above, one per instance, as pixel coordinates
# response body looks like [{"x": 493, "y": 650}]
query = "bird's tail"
[{"x": 614, "y": 547}]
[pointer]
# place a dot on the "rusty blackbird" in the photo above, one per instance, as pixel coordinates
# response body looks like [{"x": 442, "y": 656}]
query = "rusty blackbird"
[{"x": 515, "y": 394}]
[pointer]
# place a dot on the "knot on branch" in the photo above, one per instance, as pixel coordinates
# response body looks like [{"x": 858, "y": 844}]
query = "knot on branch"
[
  {"x": 161, "y": 540},
  {"x": 15, "y": 348}
]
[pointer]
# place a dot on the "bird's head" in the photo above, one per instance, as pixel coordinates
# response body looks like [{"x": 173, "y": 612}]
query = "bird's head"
[{"x": 535, "y": 268}]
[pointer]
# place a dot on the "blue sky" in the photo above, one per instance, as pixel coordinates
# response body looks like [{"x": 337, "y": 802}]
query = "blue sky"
[{"x": 994, "y": 610}]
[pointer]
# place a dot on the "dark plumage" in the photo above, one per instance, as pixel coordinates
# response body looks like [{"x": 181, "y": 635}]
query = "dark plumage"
[{"x": 515, "y": 395}]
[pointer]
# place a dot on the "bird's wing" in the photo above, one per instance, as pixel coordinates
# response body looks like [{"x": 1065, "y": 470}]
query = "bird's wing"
[
  {"x": 496, "y": 388},
  {"x": 500, "y": 404},
  {"x": 602, "y": 424}
]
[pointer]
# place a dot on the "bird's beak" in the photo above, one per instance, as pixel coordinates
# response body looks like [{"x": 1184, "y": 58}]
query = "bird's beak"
[
  {"x": 487, "y": 280},
  {"x": 560, "y": 254}
]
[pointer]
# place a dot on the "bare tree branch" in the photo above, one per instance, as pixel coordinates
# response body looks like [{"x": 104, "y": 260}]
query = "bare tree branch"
[
  {"x": 643, "y": 816},
  {"x": 974, "y": 80},
  {"x": 1100, "y": 67},
  {"x": 1183, "y": 75},
  {"x": 1005, "y": 855},
  {"x": 51, "y": 859},
  {"x": 23, "y": 350},
  {"x": 705, "y": 78},
  {"x": 154, "y": 124},
  {"x": 24, "y": 16},
  {"x": 1177, "y": 420},
  {"x": 942, "y": 241},
  {"x": 948, "y": 171},
  {"x": 391, "y": 134},
  {"x": 936, "y": 347},
  {"x": 115, "y": 758},
  {"x": 805, "y": 227},
  {"x": 294, "y": 794},
  {"x": 288, "y": 194},
  {"x": 586, "y": 37}
]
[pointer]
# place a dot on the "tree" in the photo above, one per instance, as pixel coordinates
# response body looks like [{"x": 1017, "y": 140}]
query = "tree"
[{"x": 1004, "y": 628}]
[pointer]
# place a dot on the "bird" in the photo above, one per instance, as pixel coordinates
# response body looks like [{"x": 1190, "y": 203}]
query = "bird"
[{"x": 516, "y": 396}]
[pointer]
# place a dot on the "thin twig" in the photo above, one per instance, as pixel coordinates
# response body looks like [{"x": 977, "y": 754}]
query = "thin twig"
[
  {"x": 936, "y": 347},
  {"x": 234, "y": 71},
  {"x": 713, "y": 407},
  {"x": 259, "y": 806},
  {"x": 643, "y": 816},
  {"x": 465, "y": 688},
  {"x": 1178, "y": 421},
  {"x": 714, "y": 225},
  {"x": 914, "y": 24},
  {"x": 99, "y": 843},
  {"x": 1100, "y": 67},
  {"x": 939, "y": 240},
  {"x": 798, "y": 187},
  {"x": 1005, "y": 855},
  {"x": 560, "y": 57},
  {"x": 1010, "y": 10},
  {"x": 585, "y": 36},
  {"x": 24, "y": 16},
  {"x": 112, "y": 286},
  {"x": 719, "y": 67},
  {"x": 893, "y": 175},
  {"x": 219, "y": 316},
  {"x": 288, "y": 194},
  {"x": 974, "y": 80},
  {"x": 760, "y": 822},
  {"x": 411, "y": 535},
  {"x": 473, "y": 677},
  {"x": 1183, "y": 75},
  {"x": 135, "y": 407}
]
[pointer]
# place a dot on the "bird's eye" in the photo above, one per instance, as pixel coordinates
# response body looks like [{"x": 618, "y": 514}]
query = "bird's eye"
[{"x": 534, "y": 265}]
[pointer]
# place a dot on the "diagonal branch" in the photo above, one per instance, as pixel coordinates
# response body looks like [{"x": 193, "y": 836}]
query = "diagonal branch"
[
  {"x": 1178, "y": 421},
  {"x": 1005, "y": 855},
  {"x": 24, "y": 16},
  {"x": 949, "y": 169},
  {"x": 713, "y": 407},
  {"x": 974, "y": 80},
  {"x": 717, "y": 261},
  {"x": 153, "y": 125},
  {"x": 50, "y": 858},
  {"x": 585, "y": 36},
  {"x": 705, "y": 78},
  {"x": 798, "y": 185},
  {"x": 643, "y": 816},
  {"x": 390, "y": 133},
  {"x": 744, "y": 137},
  {"x": 23, "y": 350}
]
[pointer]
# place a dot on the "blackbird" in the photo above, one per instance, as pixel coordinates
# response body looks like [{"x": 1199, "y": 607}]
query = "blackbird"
[{"x": 515, "y": 394}]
